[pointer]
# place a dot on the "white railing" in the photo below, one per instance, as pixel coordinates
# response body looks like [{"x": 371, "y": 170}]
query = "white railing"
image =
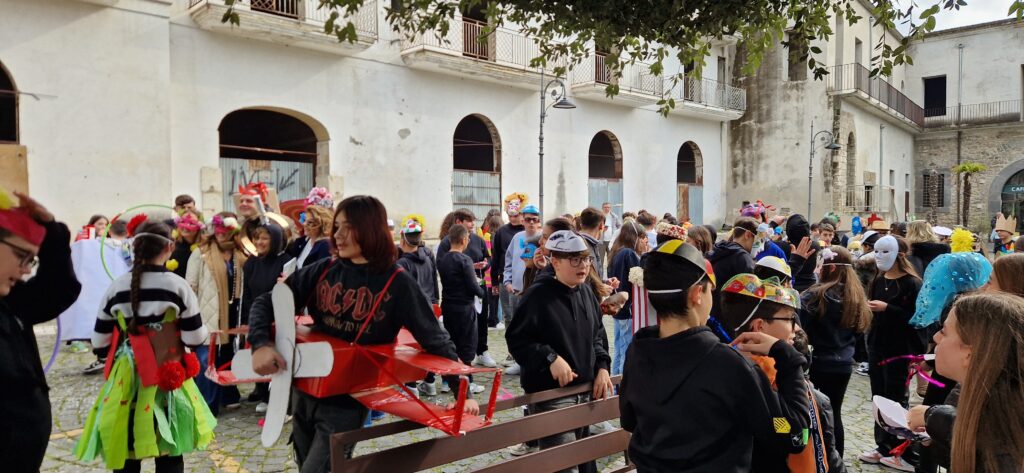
[
  {"x": 710, "y": 93},
  {"x": 503, "y": 46},
  {"x": 309, "y": 11},
  {"x": 861, "y": 198},
  {"x": 636, "y": 77}
]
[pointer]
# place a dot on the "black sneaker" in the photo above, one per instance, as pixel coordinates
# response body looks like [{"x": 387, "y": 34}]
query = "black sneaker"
[{"x": 95, "y": 367}]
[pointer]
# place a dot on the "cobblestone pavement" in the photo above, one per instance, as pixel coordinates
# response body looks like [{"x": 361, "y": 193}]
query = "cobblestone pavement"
[{"x": 237, "y": 448}]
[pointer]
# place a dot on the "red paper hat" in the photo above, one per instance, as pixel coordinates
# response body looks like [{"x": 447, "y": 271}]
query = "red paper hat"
[{"x": 19, "y": 222}]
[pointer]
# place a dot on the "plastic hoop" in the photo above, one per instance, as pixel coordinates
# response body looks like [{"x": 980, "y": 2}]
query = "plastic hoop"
[{"x": 103, "y": 241}]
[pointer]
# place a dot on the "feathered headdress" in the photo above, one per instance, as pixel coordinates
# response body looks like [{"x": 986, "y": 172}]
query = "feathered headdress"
[
  {"x": 320, "y": 196},
  {"x": 134, "y": 223},
  {"x": 413, "y": 223},
  {"x": 254, "y": 189},
  {"x": 962, "y": 241}
]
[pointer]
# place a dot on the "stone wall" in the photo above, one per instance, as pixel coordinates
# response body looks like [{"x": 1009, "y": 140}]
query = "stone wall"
[{"x": 1000, "y": 148}]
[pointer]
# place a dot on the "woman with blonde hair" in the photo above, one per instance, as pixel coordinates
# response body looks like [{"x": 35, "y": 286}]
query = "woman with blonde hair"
[
  {"x": 315, "y": 243},
  {"x": 1008, "y": 274},
  {"x": 924, "y": 245},
  {"x": 985, "y": 430}
]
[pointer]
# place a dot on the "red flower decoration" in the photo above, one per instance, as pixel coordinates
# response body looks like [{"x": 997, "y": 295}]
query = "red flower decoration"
[
  {"x": 171, "y": 374},
  {"x": 134, "y": 223},
  {"x": 191, "y": 365}
]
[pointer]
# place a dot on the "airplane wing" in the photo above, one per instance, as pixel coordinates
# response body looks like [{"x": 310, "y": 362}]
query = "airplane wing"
[{"x": 396, "y": 402}]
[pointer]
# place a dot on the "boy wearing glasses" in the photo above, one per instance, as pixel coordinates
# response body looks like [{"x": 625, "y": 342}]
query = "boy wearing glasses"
[
  {"x": 557, "y": 336},
  {"x": 26, "y": 231}
]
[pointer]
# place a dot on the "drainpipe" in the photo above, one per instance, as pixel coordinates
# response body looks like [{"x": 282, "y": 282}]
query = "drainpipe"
[
  {"x": 960, "y": 84},
  {"x": 959, "y": 132},
  {"x": 881, "y": 144}
]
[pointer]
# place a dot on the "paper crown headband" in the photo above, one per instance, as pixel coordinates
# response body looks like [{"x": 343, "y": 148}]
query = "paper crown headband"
[
  {"x": 1006, "y": 224},
  {"x": 413, "y": 223},
  {"x": 254, "y": 189},
  {"x": 19, "y": 222},
  {"x": 690, "y": 253}
]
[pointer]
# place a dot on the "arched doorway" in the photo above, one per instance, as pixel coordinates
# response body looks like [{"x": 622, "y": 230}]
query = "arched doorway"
[
  {"x": 1012, "y": 198},
  {"x": 690, "y": 183},
  {"x": 605, "y": 171},
  {"x": 851, "y": 170},
  {"x": 476, "y": 165},
  {"x": 8, "y": 107},
  {"x": 281, "y": 148}
]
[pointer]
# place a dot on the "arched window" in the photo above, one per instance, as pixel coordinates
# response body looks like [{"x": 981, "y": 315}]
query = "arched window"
[
  {"x": 8, "y": 107},
  {"x": 605, "y": 171},
  {"x": 689, "y": 183},
  {"x": 1013, "y": 198},
  {"x": 476, "y": 163},
  {"x": 276, "y": 147},
  {"x": 689, "y": 164}
]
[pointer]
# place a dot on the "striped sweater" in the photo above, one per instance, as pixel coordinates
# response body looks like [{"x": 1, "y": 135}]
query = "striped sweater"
[{"x": 159, "y": 290}]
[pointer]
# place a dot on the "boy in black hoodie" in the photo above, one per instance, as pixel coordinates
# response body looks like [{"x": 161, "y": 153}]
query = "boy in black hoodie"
[
  {"x": 417, "y": 260},
  {"x": 459, "y": 288},
  {"x": 801, "y": 252},
  {"x": 692, "y": 403},
  {"x": 557, "y": 336},
  {"x": 732, "y": 256}
]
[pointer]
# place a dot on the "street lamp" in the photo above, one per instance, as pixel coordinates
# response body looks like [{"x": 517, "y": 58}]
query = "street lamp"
[
  {"x": 560, "y": 99},
  {"x": 810, "y": 164}
]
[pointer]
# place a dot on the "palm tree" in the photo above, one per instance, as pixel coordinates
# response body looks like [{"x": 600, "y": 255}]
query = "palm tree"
[{"x": 967, "y": 170}]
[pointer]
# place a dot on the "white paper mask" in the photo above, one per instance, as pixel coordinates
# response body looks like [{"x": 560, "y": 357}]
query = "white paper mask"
[{"x": 886, "y": 250}]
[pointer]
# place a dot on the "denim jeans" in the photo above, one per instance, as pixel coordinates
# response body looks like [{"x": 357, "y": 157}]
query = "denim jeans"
[
  {"x": 623, "y": 337},
  {"x": 565, "y": 437}
]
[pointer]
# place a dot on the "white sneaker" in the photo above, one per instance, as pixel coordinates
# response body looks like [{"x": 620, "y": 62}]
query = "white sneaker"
[
  {"x": 509, "y": 361},
  {"x": 870, "y": 456},
  {"x": 475, "y": 388},
  {"x": 445, "y": 388},
  {"x": 261, "y": 408},
  {"x": 514, "y": 369},
  {"x": 522, "y": 449},
  {"x": 500, "y": 326},
  {"x": 601, "y": 428},
  {"x": 427, "y": 389},
  {"x": 863, "y": 369},
  {"x": 896, "y": 463},
  {"x": 485, "y": 360}
]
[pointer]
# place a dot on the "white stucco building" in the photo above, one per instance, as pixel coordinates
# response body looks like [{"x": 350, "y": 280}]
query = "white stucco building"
[{"x": 112, "y": 103}]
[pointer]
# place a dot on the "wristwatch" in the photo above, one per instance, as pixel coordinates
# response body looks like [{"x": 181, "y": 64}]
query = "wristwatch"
[{"x": 552, "y": 357}]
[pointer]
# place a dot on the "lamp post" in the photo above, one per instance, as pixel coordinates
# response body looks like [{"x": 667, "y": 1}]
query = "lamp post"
[
  {"x": 560, "y": 100},
  {"x": 810, "y": 164}
]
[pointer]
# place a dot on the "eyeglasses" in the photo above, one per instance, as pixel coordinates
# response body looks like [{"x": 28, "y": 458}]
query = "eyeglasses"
[
  {"x": 28, "y": 259},
  {"x": 792, "y": 320},
  {"x": 579, "y": 261},
  {"x": 532, "y": 220}
]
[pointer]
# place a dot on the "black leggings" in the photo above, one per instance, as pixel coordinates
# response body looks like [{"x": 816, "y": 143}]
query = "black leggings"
[
  {"x": 174, "y": 464},
  {"x": 833, "y": 386}
]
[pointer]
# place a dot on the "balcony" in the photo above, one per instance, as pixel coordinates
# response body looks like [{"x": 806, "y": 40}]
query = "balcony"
[
  {"x": 503, "y": 57},
  {"x": 637, "y": 86},
  {"x": 298, "y": 23},
  {"x": 706, "y": 98},
  {"x": 855, "y": 81},
  {"x": 867, "y": 199},
  {"x": 991, "y": 113}
]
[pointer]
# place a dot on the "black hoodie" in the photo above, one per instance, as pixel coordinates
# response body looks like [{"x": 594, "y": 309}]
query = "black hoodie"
[
  {"x": 551, "y": 320},
  {"x": 797, "y": 229},
  {"x": 695, "y": 405},
  {"x": 259, "y": 274},
  {"x": 728, "y": 259},
  {"x": 420, "y": 265},
  {"x": 833, "y": 344},
  {"x": 922, "y": 254}
]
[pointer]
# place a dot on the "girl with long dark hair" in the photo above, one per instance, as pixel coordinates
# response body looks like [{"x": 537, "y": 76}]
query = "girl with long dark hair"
[
  {"x": 625, "y": 255},
  {"x": 364, "y": 266},
  {"x": 833, "y": 313}
]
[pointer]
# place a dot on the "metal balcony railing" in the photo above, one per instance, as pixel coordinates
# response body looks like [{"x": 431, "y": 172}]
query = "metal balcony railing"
[
  {"x": 636, "y": 77},
  {"x": 867, "y": 198},
  {"x": 503, "y": 46},
  {"x": 850, "y": 77},
  {"x": 710, "y": 93},
  {"x": 1005, "y": 111},
  {"x": 365, "y": 20}
]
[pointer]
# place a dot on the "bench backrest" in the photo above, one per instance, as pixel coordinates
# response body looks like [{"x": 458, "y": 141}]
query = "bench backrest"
[{"x": 443, "y": 450}]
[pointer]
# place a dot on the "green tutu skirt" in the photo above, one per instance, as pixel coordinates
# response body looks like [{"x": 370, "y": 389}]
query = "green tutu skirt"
[{"x": 129, "y": 420}]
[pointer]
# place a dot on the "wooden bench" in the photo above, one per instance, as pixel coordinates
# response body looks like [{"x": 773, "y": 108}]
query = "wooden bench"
[{"x": 443, "y": 450}]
